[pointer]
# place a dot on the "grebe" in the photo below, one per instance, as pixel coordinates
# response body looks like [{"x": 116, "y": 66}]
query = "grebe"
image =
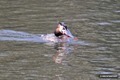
[{"x": 61, "y": 34}]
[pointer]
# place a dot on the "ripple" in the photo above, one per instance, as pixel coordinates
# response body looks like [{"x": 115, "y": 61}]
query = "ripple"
[
  {"x": 117, "y": 11},
  {"x": 83, "y": 19},
  {"x": 115, "y": 21},
  {"x": 101, "y": 23},
  {"x": 3, "y": 55},
  {"x": 104, "y": 23}
]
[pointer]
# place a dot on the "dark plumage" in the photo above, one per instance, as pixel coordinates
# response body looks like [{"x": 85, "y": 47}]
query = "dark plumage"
[{"x": 57, "y": 34}]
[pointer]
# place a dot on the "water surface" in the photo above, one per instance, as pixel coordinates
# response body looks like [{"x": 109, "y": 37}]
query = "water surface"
[{"x": 94, "y": 22}]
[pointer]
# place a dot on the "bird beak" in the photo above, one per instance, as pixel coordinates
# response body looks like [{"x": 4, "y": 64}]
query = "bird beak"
[{"x": 69, "y": 34}]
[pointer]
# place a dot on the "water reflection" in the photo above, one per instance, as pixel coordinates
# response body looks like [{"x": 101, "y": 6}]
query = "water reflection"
[{"x": 63, "y": 50}]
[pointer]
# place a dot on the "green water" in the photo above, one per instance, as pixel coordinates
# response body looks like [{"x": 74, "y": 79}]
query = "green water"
[{"x": 94, "y": 21}]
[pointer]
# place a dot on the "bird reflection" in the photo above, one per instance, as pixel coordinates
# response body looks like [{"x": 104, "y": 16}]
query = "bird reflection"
[{"x": 63, "y": 50}]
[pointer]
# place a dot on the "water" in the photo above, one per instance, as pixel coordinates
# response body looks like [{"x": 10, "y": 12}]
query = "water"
[{"x": 94, "y": 57}]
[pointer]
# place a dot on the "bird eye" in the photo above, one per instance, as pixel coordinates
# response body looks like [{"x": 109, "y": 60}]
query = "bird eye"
[{"x": 63, "y": 28}]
